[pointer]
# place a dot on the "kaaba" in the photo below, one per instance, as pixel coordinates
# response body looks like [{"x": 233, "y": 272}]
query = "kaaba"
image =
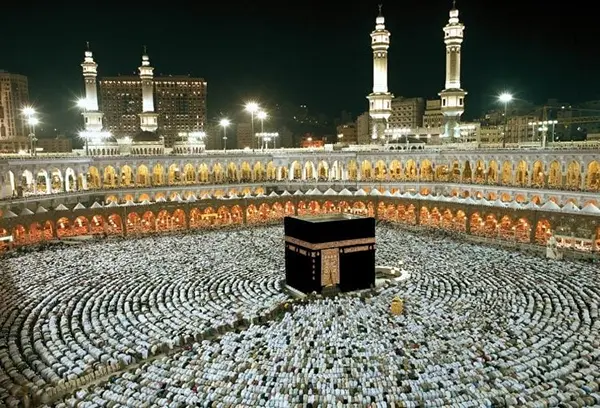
[{"x": 334, "y": 251}]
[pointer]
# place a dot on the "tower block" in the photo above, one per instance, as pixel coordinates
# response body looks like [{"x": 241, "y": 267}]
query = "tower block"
[
  {"x": 453, "y": 96},
  {"x": 380, "y": 100}
]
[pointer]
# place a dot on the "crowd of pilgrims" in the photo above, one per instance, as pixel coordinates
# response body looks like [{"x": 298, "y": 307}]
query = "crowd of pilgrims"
[{"x": 481, "y": 327}]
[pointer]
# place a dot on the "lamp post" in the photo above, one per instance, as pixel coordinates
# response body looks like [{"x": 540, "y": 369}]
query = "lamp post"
[
  {"x": 224, "y": 123},
  {"x": 266, "y": 137},
  {"x": 505, "y": 98},
  {"x": 29, "y": 113},
  {"x": 252, "y": 108},
  {"x": 32, "y": 121},
  {"x": 543, "y": 127}
]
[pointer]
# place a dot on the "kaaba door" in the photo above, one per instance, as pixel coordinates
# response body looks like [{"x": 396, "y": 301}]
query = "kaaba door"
[{"x": 330, "y": 267}]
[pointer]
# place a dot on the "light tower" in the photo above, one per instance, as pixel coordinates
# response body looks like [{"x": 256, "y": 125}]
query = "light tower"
[
  {"x": 91, "y": 115},
  {"x": 380, "y": 100},
  {"x": 148, "y": 118},
  {"x": 453, "y": 96}
]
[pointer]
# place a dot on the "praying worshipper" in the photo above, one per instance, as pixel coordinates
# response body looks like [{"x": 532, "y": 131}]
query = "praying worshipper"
[{"x": 188, "y": 320}]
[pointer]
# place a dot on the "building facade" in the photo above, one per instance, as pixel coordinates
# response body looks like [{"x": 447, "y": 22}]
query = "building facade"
[
  {"x": 433, "y": 117},
  {"x": 243, "y": 134},
  {"x": 179, "y": 102},
  {"x": 347, "y": 134},
  {"x": 14, "y": 95},
  {"x": 363, "y": 128},
  {"x": 407, "y": 113}
]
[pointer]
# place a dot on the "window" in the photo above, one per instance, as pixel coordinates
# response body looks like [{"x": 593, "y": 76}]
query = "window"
[
  {"x": 444, "y": 102},
  {"x": 460, "y": 101}
]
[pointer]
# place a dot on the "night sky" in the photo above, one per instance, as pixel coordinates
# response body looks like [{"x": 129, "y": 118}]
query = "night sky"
[{"x": 313, "y": 53}]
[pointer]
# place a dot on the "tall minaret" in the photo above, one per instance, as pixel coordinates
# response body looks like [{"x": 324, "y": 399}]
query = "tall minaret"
[
  {"x": 148, "y": 118},
  {"x": 453, "y": 96},
  {"x": 91, "y": 115},
  {"x": 380, "y": 100}
]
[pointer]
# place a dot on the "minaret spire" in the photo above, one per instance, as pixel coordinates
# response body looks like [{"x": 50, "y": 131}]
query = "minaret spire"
[
  {"x": 91, "y": 113},
  {"x": 380, "y": 100},
  {"x": 148, "y": 117},
  {"x": 453, "y": 96}
]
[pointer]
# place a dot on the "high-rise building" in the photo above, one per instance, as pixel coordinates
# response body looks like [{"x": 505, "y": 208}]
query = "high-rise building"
[
  {"x": 243, "y": 134},
  {"x": 363, "y": 129},
  {"x": 453, "y": 96},
  {"x": 14, "y": 95},
  {"x": 407, "y": 113},
  {"x": 433, "y": 117},
  {"x": 178, "y": 101},
  {"x": 380, "y": 100},
  {"x": 346, "y": 133}
]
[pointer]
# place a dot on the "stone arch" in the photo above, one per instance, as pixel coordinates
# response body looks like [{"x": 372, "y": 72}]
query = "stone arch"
[
  {"x": 380, "y": 170},
  {"x": 395, "y": 170},
  {"x": 522, "y": 174},
  {"x": 538, "y": 177},
  {"x": 174, "y": 175},
  {"x": 258, "y": 171},
  {"x": 555, "y": 175},
  {"x": 492, "y": 172},
  {"x": 426, "y": 171},
  {"x": 323, "y": 170},
  {"x": 189, "y": 174},
  {"x": 479, "y": 175},
  {"x": 593, "y": 176},
  {"x": 109, "y": 177},
  {"x": 93, "y": 178},
  {"x": 410, "y": 170},
  {"x": 296, "y": 171},
  {"x": 467, "y": 174},
  {"x": 309, "y": 171},
  {"x": 126, "y": 176},
  {"x": 245, "y": 172},
  {"x": 70, "y": 180},
  {"x": 158, "y": 175},
  {"x": 142, "y": 176},
  {"x": 573, "y": 179},
  {"x": 366, "y": 170},
  {"x": 455, "y": 174},
  {"x": 507, "y": 173},
  {"x": 352, "y": 170},
  {"x": 271, "y": 172}
]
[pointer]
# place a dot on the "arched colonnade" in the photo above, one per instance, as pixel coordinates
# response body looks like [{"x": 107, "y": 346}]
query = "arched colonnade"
[
  {"x": 572, "y": 175},
  {"x": 523, "y": 226}
]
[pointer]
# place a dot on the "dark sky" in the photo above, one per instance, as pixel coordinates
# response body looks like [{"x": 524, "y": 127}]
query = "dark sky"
[{"x": 313, "y": 53}]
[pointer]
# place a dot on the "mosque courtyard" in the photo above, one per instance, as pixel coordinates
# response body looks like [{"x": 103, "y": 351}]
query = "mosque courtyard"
[{"x": 197, "y": 320}]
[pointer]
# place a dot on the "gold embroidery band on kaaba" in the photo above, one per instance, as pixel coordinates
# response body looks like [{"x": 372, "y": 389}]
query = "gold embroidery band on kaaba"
[{"x": 327, "y": 245}]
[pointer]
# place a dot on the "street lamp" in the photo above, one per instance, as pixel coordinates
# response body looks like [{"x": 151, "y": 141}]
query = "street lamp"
[
  {"x": 29, "y": 113},
  {"x": 262, "y": 115},
  {"x": 82, "y": 104},
  {"x": 505, "y": 98},
  {"x": 224, "y": 123},
  {"x": 543, "y": 127},
  {"x": 253, "y": 108},
  {"x": 266, "y": 137}
]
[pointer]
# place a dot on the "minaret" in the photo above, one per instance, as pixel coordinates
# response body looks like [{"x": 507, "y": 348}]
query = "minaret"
[
  {"x": 91, "y": 115},
  {"x": 453, "y": 96},
  {"x": 380, "y": 100},
  {"x": 148, "y": 118}
]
